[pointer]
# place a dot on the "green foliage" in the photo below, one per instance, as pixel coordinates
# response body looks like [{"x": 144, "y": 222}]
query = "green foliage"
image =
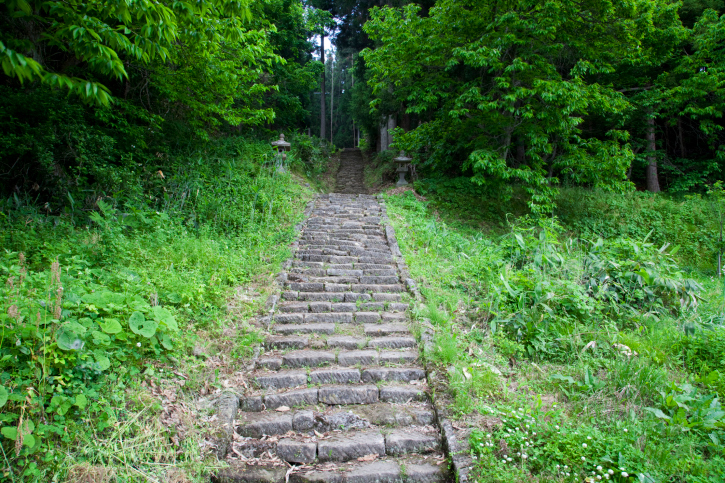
[
  {"x": 518, "y": 78},
  {"x": 602, "y": 328},
  {"x": 100, "y": 33},
  {"x": 688, "y": 223},
  {"x": 542, "y": 441},
  {"x": 684, "y": 406},
  {"x": 131, "y": 286}
]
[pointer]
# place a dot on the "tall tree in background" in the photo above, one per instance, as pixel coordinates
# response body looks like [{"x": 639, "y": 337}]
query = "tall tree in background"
[{"x": 507, "y": 86}]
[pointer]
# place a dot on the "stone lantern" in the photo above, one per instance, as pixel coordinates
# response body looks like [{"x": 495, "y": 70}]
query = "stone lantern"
[
  {"x": 282, "y": 148},
  {"x": 403, "y": 162}
]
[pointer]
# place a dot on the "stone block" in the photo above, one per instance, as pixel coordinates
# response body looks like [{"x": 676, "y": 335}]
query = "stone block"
[
  {"x": 351, "y": 358},
  {"x": 405, "y": 374},
  {"x": 307, "y": 358},
  {"x": 335, "y": 376},
  {"x": 296, "y": 451},
  {"x": 403, "y": 442},
  {"x": 350, "y": 446},
  {"x": 296, "y": 398},
  {"x": 366, "y": 394}
]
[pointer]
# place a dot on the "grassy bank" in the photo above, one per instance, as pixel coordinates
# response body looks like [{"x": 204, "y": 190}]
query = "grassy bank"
[
  {"x": 120, "y": 312},
  {"x": 576, "y": 348}
]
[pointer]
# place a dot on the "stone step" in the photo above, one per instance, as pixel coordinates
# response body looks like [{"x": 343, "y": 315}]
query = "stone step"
[
  {"x": 306, "y": 421},
  {"x": 321, "y": 307},
  {"x": 346, "y": 358},
  {"x": 373, "y": 330},
  {"x": 365, "y": 288},
  {"x": 336, "y": 297},
  {"x": 304, "y": 328},
  {"x": 383, "y": 471},
  {"x": 340, "y": 341},
  {"x": 338, "y": 394}
]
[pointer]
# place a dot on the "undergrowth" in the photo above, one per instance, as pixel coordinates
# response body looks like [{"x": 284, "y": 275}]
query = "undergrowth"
[
  {"x": 573, "y": 353},
  {"x": 114, "y": 314}
]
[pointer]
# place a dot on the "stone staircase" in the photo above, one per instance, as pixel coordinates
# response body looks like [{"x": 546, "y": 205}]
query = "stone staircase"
[
  {"x": 350, "y": 174},
  {"x": 339, "y": 394}
]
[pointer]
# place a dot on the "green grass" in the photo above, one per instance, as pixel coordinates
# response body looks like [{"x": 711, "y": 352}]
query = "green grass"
[
  {"x": 607, "y": 339},
  {"x": 116, "y": 320}
]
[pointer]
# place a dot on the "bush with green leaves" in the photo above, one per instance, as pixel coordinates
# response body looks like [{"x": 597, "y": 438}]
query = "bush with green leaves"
[{"x": 101, "y": 296}]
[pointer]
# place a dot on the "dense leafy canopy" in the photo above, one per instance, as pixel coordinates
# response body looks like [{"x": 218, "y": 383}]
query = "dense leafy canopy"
[{"x": 507, "y": 85}]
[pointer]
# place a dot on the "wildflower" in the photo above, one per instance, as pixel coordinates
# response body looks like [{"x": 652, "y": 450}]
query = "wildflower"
[
  {"x": 584, "y": 445},
  {"x": 606, "y": 475},
  {"x": 557, "y": 467},
  {"x": 589, "y": 437},
  {"x": 525, "y": 456},
  {"x": 138, "y": 344},
  {"x": 611, "y": 472},
  {"x": 599, "y": 477},
  {"x": 568, "y": 474},
  {"x": 624, "y": 474},
  {"x": 599, "y": 468},
  {"x": 583, "y": 458},
  {"x": 626, "y": 430}
]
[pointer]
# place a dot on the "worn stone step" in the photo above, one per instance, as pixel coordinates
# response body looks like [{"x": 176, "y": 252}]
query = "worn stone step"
[
  {"x": 402, "y": 394},
  {"x": 335, "y": 376},
  {"x": 347, "y": 342},
  {"x": 346, "y": 418},
  {"x": 343, "y": 395},
  {"x": 308, "y": 358},
  {"x": 304, "y": 328},
  {"x": 388, "y": 471},
  {"x": 401, "y": 441},
  {"x": 373, "y": 330},
  {"x": 398, "y": 357},
  {"x": 392, "y": 342},
  {"x": 281, "y": 380},
  {"x": 350, "y": 446},
  {"x": 286, "y": 342},
  {"x": 404, "y": 374}
]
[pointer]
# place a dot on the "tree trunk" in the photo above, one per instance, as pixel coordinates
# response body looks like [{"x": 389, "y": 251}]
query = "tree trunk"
[
  {"x": 653, "y": 183},
  {"x": 323, "y": 116},
  {"x": 332, "y": 98}
]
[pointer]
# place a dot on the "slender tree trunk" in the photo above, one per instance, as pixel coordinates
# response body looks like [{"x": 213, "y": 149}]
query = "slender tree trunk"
[
  {"x": 323, "y": 115},
  {"x": 653, "y": 183},
  {"x": 332, "y": 98},
  {"x": 683, "y": 153}
]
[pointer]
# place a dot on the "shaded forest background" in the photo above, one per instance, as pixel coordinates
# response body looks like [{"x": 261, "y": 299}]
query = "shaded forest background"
[{"x": 98, "y": 97}]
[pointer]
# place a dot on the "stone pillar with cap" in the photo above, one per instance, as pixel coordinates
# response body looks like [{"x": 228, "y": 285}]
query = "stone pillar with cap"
[
  {"x": 282, "y": 148},
  {"x": 403, "y": 163}
]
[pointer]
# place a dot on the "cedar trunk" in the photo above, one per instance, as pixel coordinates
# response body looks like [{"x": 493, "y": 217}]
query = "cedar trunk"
[
  {"x": 653, "y": 183},
  {"x": 323, "y": 117}
]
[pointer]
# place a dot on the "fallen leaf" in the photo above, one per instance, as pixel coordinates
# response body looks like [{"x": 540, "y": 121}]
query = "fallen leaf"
[
  {"x": 368, "y": 457},
  {"x": 282, "y": 409},
  {"x": 319, "y": 435}
]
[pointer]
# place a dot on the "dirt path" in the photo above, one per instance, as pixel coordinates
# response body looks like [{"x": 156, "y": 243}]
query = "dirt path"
[{"x": 339, "y": 394}]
